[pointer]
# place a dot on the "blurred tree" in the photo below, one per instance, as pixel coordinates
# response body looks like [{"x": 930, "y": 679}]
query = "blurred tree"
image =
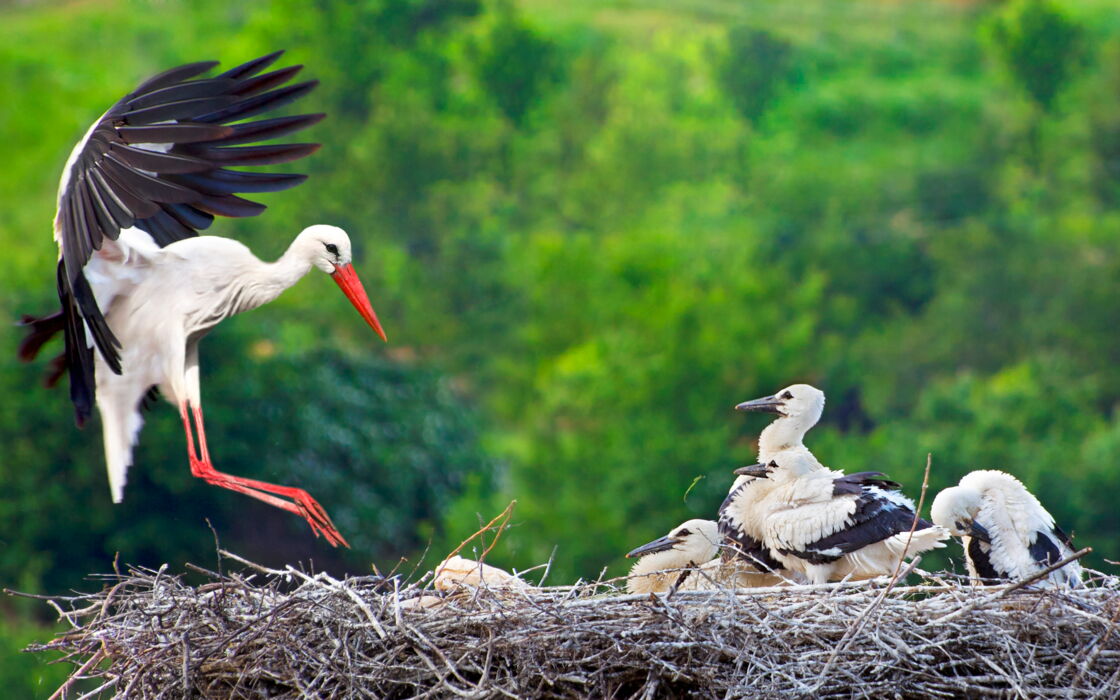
[
  {"x": 515, "y": 64},
  {"x": 385, "y": 446},
  {"x": 753, "y": 68},
  {"x": 1104, "y": 130},
  {"x": 1041, "y": 46}
]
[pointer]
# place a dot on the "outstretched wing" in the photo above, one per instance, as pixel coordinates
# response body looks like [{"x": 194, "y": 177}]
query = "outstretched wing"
[{"x": 159, "y": 160}]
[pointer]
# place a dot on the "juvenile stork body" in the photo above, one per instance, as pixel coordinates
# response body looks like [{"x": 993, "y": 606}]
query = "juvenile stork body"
[
  {"x": 685, "y": 559},
  {"x": 827, "y": 525},
  {"x": 798, "y": 408},
  {"x": 1006, "y": 532},
  {"x": 135, "y": 282}
]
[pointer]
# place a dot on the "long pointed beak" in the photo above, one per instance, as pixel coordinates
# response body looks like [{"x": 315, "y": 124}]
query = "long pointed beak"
[
  {"x": 661, "y": 544},
  {"x": 980, "y": 532},
  {"x": 767, "y": 404},
  {"x": 347, "y": 280},
  {"x": 760, "y": 471}
]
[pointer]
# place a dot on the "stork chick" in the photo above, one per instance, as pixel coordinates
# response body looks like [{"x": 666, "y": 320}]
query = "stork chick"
[
  {"x": 827, "y": 525},
  {"x": 669, "y": 562},
  {"x": 1005, "y": 531},
  {"x": 798, "y": 408}
]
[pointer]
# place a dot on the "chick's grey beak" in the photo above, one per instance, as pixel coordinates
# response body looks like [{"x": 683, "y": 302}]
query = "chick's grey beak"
[
  {"x": 757, "y": 470},
  {"x": 767, "y": 404},
  {"x": 661, "y": 544},
  {"x": 980, "y": 532}
]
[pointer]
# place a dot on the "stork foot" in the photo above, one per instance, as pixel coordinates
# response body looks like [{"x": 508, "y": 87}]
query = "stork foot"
[{"x": 291, "y": 499}]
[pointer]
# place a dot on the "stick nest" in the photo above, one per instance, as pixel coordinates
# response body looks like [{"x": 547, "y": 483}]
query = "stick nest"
[{"x": 288, "y": 634}]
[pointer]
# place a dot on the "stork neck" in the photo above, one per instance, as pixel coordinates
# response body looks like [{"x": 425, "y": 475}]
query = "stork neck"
[
  {"x": 783, "y": 434},
  {"x": 273, "y": 278}
]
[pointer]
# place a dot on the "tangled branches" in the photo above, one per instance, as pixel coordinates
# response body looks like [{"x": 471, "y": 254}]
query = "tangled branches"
[{"x": 287, "y": 634}]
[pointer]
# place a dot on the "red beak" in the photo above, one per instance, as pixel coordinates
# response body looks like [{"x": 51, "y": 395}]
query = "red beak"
[{"x": 351, "y": 286}]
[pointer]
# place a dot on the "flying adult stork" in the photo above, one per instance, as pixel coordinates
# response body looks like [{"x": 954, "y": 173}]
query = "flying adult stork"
[
  {"x": 1006, "y": 532},
  {"x": 138, "y": 284}
]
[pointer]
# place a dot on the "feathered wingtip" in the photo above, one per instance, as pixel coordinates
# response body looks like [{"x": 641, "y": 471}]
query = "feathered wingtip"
[{"x": 40, "y": 329}]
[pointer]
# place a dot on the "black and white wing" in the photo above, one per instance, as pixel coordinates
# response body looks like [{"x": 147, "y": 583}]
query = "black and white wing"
[
  {"x": 1050, "y": 546},
  {"x": 823, "y": 532},
  {"x": 978, "y": 550},
  {"x": 737, "y": 543},
  {"x": 160, "y": 160}
]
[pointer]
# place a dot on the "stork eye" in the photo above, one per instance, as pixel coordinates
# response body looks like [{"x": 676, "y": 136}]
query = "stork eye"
[
  {"x": 683, "y": 532},
  {"x": 786, "y": 395},
  {"x": 332, "y": 249}
]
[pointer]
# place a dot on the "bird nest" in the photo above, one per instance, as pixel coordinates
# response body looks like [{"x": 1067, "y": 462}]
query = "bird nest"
[{"x": 291, "y": 634}]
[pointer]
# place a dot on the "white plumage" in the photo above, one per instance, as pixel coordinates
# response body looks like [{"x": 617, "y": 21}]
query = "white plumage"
[
  {"x": 669, "y": 562},
  {"x": 798, "y": 408},
  {"x": 826, "y": 525},
  {"x": 160, "y": 302},
  {"x": 139, "y": 289},
  {"x": 1006, "y": 532}
]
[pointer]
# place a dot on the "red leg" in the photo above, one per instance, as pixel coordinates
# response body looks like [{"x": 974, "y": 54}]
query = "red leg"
[{"x": 301, "y": 503}]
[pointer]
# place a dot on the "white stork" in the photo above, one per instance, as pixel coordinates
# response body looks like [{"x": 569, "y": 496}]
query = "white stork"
[
  {"x": 685, "y": 559},
  {"x": 827, "y": 525},
  {"x": 134, "y": 280},
  {"x": 798, "y": 408},
  {"x": 1006, "y": 533}
]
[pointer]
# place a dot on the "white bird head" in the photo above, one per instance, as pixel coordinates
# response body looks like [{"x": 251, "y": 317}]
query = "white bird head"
[
  {"x": 328, "y": 248},
  {"x": 325, "y": 246},
  {"x": 955, "y": 509},
  {"x": 782, "y": 464},
  {"x": 800, "y": 402},
  {"x": 695, "y": 541},
  {"x": 799, "y": 407}
]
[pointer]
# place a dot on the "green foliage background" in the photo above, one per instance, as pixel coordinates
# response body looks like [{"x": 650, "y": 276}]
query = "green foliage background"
[{"x": 590, "y": 228}]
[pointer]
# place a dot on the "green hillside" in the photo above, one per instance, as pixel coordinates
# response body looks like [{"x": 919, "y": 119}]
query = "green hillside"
[{"x": 591, "y": 228}]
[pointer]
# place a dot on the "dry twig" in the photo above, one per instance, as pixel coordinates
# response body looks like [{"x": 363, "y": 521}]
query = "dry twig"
[{"x": 286, "y": 634}]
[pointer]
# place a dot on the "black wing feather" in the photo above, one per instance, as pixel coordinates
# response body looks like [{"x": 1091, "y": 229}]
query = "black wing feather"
[
  {"x": 161, "y": 163},
  {"x": 189, "y": 216},
  {"x": 174, "y": 133},
  {"x": 228, "y": 205},
  {"x": 79, "y": 356},
  {"x": 1044, "y": 549},
  {"x": 229, "y": 181},
  {"x": 267, "y": 129},
  {"x": 251, "y": 68},
  {"x": 267, "y": 81},
  {"x": 875, "y": 519},
  {"x": 183, "y": 109},
  {"x": 852, "y": 484},
  {"x": 253, "y": 155},
  {"x": 102, "y": 211},
  {"x": 172, "y": 188},
  {"x": 259, "y": 103},
  {"x": 1063, "y": 537},
  {"x": 181, "y": 91},
  {"x": 982, "y": 561},
  {"x": 740, "y": 545},
  {"x": 172, "y": 76}
]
